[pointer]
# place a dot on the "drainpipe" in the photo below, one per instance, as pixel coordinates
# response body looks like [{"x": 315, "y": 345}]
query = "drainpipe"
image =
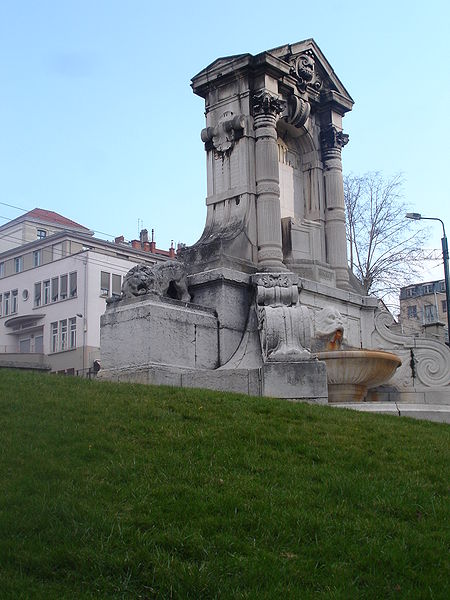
[{"x": 85, "y": 302}]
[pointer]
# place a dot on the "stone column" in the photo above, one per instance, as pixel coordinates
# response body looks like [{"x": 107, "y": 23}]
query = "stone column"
[
  {"x": 266, "y": 109},
  {"x": 333, "y": 141}
]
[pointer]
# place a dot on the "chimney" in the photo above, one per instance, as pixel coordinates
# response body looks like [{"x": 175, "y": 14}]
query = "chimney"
[
  {"x": 146, "y": 246},
  {"x": 171, "y": 250},
  {"x": 143, "y": 236},
  {"x": 153, "y": 243},
  {"x": 119, "y": 240},
  {"x": 136, "y": 244}
]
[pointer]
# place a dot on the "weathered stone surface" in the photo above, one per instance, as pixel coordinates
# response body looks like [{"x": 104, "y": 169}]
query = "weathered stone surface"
[
  {"x": 267, "y": 283},
  {"x": 149, "y": 331},
  {"x": 296, "y": 380}
]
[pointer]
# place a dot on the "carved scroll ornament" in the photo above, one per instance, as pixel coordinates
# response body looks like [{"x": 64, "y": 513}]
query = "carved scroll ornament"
[
  {"x": 224, "y": 134},
  {"x": 284, "y": 325},
  {"x": 430, "y": 358},
  {"x": 304, "y": 69},
  {"x": 285, "y": 333}
]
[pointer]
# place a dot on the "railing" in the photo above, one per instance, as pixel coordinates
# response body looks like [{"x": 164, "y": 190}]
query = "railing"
[{"x": 9, "y": 350}]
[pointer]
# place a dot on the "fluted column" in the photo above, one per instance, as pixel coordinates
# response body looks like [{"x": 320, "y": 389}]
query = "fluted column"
[
  {"x": 266, "y": 109},
  {"x": 333, "y": 141}
]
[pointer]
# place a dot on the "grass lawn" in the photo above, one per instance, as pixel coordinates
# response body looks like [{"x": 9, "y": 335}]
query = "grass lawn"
[{"x": 130, "y": 491}]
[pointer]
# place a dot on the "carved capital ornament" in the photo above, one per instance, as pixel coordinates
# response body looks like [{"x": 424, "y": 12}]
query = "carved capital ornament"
[
  {"x": 333, "y": 138},
  {"x": 265, "y": 103}
]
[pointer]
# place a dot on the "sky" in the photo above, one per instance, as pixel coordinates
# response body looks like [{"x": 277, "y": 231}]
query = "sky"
[{"x": 98, "y": 121}]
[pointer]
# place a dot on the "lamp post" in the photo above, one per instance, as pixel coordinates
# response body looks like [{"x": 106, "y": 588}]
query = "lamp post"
[{"x": 419, "y": 217}]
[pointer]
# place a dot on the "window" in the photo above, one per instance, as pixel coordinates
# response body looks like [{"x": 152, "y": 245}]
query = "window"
[
  {"x": 410, "y": 292},
  {"x": 18, "y": 264},
  {"x": 412, "y": 312},
  {"x": 14, "y": 298},
  {"x": 429, "y": 313},
  {"x": 37, "y": 293},
  {"x": 442, "y": 286},
  {"x": 1, "y": 305},
  {"x": 37, "y": 258},
  {"x": 41, "y": 234},
  {"x": 54, "y": 337},
  {"x": 444, "y": 305},
  {"x": 6, "y": 303},
  {"x": 46, "y": 288},
  {"x": 104, "y": 283},
  {"x": 2, "y": 269},
  {"x": 55, "y": 289},
  {"x": 39, "y": 344},
  {"x": 25, "y": 345},
  {"x": 73, "y": 284},
  {"x": 116, "y": 286},
  {"x": 63, "y": 334},
  {"x": 428, "y": 288},
  {"x": 63, "y": 287},
  {"x": 73, "y": 332},
  {"x": 57, "y": 251}
]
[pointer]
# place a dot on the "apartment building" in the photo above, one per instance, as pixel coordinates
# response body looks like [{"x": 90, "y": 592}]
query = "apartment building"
[
  {"x": 55, "y": 276},
  {"x": 423, "y": 304}
]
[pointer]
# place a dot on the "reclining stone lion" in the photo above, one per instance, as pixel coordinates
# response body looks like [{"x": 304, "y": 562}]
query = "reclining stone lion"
[{"x": 166, "y": 279}]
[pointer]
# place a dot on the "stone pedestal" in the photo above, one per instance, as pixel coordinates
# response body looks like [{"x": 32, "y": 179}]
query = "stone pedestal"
[{"x": 139, "y": 332}]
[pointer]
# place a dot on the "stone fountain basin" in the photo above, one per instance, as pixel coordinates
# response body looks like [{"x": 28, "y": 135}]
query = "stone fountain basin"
[{"x": 350, "y": 373}]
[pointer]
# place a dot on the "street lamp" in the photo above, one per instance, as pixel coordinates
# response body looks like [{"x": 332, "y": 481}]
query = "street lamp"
[{"x": 418, "y": 217}]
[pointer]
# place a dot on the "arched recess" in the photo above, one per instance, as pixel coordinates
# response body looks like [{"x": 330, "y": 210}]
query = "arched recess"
[{"x": 302, "y": 199}]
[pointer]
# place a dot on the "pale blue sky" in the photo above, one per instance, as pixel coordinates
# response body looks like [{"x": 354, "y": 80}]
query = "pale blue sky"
[{"x": 98, "y": 121}]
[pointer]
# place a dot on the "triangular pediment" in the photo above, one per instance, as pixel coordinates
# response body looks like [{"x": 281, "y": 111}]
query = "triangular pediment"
[
  {"x": 220, "y": 63},
  {"x": 325, "y": 76}
]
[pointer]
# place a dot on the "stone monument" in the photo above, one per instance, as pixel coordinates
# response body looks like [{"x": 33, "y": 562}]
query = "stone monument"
[{"x": 255, "y": 303}]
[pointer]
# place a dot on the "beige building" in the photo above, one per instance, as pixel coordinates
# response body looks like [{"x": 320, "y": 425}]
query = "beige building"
[
  {"x": 55, "y": 277},
  {"x": 423, "y": 305}
]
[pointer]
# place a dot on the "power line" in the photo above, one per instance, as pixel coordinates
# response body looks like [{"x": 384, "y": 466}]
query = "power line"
[{"x": 28, "y": 210}]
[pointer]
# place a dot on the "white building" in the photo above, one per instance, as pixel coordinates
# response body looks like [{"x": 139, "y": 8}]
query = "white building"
[{"x": 55, "y": 277}]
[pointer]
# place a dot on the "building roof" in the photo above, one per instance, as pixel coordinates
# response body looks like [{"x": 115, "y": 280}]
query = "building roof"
[{"x": 49, "y": 216}]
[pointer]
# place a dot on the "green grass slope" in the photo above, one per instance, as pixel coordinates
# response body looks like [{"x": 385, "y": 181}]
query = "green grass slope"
[{"x": 129, "y": 491}]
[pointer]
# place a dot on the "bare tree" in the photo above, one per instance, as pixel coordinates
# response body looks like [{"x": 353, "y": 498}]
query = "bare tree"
[{"x": 385, "y": 251}]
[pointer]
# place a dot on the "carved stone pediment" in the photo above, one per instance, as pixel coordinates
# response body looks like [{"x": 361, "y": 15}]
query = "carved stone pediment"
[{"x": 314, "y": 74}]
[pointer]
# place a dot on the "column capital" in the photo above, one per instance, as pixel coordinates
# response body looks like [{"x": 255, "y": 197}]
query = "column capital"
[
  {"x": 266, "y": 104},
  {"x": 332, "y": 138}
]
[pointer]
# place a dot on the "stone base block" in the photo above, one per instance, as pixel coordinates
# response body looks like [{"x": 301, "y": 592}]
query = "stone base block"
[
  {"x": 303, "y": 380},
  {"x": 152, "y": 331}
]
